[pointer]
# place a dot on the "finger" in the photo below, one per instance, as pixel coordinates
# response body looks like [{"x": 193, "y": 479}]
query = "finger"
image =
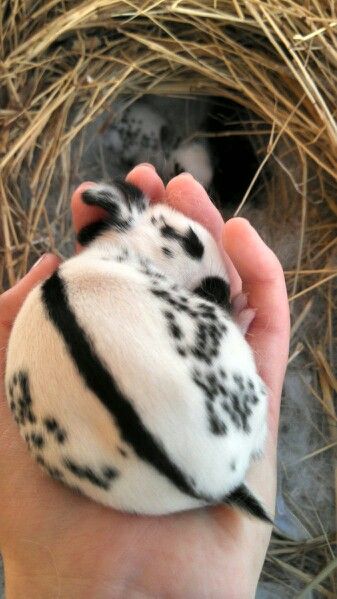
[
  {"x": 263, "y": 281},
  {"x": 145, "y": 177},
  {"x": 12, "y": 300},
  {"x": 187, "y": 195},
  {"x": 82, "y": 214}
]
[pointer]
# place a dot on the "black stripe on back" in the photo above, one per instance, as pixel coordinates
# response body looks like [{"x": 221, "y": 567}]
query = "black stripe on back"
[{"x": 102, "y": 384}]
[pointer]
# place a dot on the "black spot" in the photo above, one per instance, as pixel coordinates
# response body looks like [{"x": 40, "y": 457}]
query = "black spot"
[
  {"x": 161, "y": 293},
  {"x": 109, "y": 472},
  {"x": 193, "y": 245},
  {"x": 218, "y": 427},
  {"x": 37, "y": 440},
  {"x": 228, "y": 408},
  {"x": 175, "y": 330},
  {"x": 122, "y": 452},
  {"x": 211, "y": 379},
  {"x": 167, "y": 252},
  {"x": 53, "y": 427},
  {"x": 53, "y": 471},
  {"x": 239, "y": 381},
  {"x": 190, "y": 241},
  {"x": 61, "y": 436},
  {"x": 22, "y": 407},
  {"x": 169, "y": 232},
  {"x": 86, "y": 473},
  {"x": 51, "y": 424},
  {"x": 222, "y": 403},
  {"x": 202, "y": 383},
  {"x": 215, "y": 290},
  {"x": 240, "y": 411}
]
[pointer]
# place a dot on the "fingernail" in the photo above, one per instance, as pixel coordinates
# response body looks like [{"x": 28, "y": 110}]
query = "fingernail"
[
  {"x": 39, "y": 261},
  {"x": 147, "y": 164}
]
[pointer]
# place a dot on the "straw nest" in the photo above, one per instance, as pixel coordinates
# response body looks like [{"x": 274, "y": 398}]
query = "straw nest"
[{"x": 63, "y": 62}]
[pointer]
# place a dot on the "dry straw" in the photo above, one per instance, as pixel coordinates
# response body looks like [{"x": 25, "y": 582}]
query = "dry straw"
[{"x": 64, "y": 61}]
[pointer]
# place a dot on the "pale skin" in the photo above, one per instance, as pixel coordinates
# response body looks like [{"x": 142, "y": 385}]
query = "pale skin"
[{"x": 57, "y": 544}]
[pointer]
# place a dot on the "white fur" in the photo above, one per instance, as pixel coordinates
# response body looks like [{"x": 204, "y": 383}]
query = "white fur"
[
  {"x": 137, "y": 135},
  {"x": 142, "y": 133},
  {"x": 194, "y": 158},
  {"x": 124, "y": 321}
]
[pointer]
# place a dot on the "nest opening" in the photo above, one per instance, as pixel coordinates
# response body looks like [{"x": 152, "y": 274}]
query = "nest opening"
[{"x": 231, "y": 137}]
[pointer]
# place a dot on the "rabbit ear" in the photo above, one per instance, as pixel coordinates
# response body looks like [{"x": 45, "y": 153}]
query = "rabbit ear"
[
  {"x": 246, "y": 501},
  {"x": 122, "y": 202},
  {"x": 119, "y": 196}
]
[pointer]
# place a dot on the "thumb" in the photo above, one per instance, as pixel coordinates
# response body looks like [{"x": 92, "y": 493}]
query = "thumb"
[
  {"x": 263, "y": 280},
  {"x": 12, "y": 300}
]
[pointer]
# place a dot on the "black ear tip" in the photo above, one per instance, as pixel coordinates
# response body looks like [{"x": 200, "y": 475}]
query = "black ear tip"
[
  {"x": 88, "y": 195},
  {"x": 244, "y": 499}
]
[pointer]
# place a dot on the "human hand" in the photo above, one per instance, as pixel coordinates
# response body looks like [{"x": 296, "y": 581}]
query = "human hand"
[{"x": 56, "y": 543}]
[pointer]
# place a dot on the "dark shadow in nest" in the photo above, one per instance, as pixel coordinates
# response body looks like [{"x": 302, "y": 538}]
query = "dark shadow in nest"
[{"x": 234, "y": 146}]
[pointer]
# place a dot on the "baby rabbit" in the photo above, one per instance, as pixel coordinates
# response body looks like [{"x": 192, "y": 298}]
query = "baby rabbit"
[{"x": 126, "y": 372}]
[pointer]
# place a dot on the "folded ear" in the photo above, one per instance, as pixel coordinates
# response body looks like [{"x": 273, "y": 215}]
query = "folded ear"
[
  {"x": 122, "y": 201},
  {"x": 243, "y": 499},
  {"x": 118, "y": 199}
]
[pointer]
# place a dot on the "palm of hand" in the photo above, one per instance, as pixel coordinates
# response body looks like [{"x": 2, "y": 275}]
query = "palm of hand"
[{"x": 51, "y": 538}]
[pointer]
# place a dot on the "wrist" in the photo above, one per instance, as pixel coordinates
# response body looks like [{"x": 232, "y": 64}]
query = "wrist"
[{"x": 40, "y": 574}]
